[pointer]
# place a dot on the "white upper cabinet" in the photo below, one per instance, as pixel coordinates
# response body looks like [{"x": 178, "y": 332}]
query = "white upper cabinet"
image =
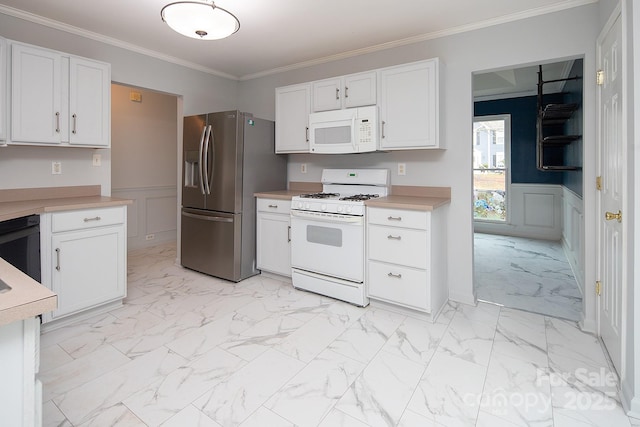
[
  {"x": 3, "y": 90},
  {"x": 354, "y": 90},
  {"x": 89, "y": 102},
  {"x": 36, "y": 114},
  {"x": 293, "y": 105},
  {"x": 410, "y": 106},
  {"x": 58, "y": 98}
]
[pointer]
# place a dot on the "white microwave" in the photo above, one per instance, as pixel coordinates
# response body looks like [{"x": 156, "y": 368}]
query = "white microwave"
[{"x": 352, "y": 130}]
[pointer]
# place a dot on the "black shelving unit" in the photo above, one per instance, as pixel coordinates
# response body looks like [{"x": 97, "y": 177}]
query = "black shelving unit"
[{"x": 551, "y": 138}]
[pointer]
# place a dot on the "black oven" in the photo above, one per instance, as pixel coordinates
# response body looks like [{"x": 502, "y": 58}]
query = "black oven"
[{"x": 20, "y": 244}]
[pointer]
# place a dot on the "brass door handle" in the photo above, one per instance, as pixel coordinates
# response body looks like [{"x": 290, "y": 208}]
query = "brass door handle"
[{"x": 610, "y": 216}]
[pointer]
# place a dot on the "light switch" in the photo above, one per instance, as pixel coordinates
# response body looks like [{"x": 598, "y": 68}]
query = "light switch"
[{"x": 97, "y": 160}]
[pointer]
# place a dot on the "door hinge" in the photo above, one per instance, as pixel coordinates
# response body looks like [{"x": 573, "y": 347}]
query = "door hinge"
[
  {"x": 599, "y": 183},
  {"x": 600, "y": 77},
  {"x": 598, "y": 288}
]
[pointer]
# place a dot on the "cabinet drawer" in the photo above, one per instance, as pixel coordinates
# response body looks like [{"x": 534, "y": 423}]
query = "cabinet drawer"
[
  {"x": 398, "y": 218},
  {"x": 87, "y": 218},
  {"x": 274, "y": 205},
  {"x": 398, "y": 246},
  {"x": 401, "y": 285}
]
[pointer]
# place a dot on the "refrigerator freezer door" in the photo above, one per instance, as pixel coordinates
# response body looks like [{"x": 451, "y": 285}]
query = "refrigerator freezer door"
[
  {"x": 223, "y": 162},
  {"x": 211, "y": 243},
  {"x": 192, "y": 173}
]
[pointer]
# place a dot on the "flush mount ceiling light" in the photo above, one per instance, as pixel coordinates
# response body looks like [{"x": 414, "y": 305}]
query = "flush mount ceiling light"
[{"x": 201, "y": 20}]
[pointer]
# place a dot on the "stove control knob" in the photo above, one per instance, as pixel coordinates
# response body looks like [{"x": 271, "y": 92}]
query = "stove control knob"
[
  {"x": 307, "y": 206},
  {"x": 323, "y": 207},
  {"x": 339, "y": 208},
  {"x": 348, "y": 209},
  {"x": 300, "y": 204}
]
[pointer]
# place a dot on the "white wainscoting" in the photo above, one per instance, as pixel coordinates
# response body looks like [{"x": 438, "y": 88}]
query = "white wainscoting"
[
  {"x": 573, "y": 233},
  {"x": 535, "y": 212},
  {"x": 152, "y": 218}
]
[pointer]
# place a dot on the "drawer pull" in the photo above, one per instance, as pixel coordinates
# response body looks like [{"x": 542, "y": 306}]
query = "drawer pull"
[
  {"x": 58, "y": 259},
  {"x": 273, "y": 206},
  {"x": 395, "y": 276},
  {"x": 289, "y": 233},
  {"x": 96, "y": 218},
  {"x": 390, "y": 237},
  {"x": 394, "y": 218}
]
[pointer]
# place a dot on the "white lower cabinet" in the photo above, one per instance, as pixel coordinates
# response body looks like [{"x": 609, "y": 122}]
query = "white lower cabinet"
[
  {"x": 406, "y": 258},
  {"x": 20, "y": 390},
  {"x": 85, "y": 258},
  {"x": 273, "y": 238}
]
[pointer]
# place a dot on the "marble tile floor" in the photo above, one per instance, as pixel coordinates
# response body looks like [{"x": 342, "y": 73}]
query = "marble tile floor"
[
  {"x": 190, "y": 350},
  {"x": 526, "y": 274}
]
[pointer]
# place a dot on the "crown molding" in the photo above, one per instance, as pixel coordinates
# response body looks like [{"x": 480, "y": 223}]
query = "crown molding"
[{"x": 569, "y": 4}]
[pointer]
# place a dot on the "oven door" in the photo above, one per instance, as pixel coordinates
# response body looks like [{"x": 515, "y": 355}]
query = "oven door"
[{"x": 328, "y": 244}]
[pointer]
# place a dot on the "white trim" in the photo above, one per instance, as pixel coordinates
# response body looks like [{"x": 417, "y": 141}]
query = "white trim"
[
  {"x": 506, "y": 118},
  {"x": 568, "y": 4}
]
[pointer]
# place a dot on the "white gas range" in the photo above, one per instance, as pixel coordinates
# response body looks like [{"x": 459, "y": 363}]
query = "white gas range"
[{"x": 327, "y": 233}]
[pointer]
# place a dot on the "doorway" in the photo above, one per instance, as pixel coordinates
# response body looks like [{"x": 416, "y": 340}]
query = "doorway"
[
  {"x": 144, "y": 143},
  {"x": 528, "y": 222}
]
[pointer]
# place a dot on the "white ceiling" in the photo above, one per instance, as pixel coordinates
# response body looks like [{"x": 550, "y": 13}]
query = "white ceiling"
[{"x": 277, "y": 34}]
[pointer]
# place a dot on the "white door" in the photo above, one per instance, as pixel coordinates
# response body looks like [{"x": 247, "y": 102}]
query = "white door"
[{"x": 611, "y": 220}]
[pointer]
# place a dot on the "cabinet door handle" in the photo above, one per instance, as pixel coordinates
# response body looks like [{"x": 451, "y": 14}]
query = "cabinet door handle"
[
  {"x": 273, "y": 206},
  {"x": 58, "y": 259},
  {"x": 395, "y": 276},
  {"x": 390, "y": 237},
  {"x": 57, "y": 121},
  {"x": 394, "y": 218},
  {"x": 346, "y": 92},
  {"x": 96, "y": 218},
  {"x": 75, "y": 119},
  {"x": 383, "y": 123},
  {"x": 288, "y": 233},
  {"x": 337, "y": 93},
  {"x": 307, "y": 134}
]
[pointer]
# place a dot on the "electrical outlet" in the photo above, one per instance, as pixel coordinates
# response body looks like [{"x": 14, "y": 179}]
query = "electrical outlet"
[
  {"x": 150, "y": 236},
  {"x": 97, "y": 160},
  {"x": 303, "y": 168},
  {"x": 402, "y": 168},
  {"x": 56, "y": 168}
]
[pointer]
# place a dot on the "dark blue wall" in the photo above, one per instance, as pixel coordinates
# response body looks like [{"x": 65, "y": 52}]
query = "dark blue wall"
[{"x": 523, "y": 113}]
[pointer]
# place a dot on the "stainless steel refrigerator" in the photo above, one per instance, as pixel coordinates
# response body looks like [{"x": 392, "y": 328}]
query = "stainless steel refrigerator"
[{"x": 228, "y": 156}]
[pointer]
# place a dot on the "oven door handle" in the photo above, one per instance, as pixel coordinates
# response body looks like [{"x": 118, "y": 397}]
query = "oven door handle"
[{"x": 338, "y": 219}]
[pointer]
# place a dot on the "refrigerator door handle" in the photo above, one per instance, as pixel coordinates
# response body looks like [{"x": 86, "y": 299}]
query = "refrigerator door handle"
[
  {"x": 207, "y": 140},
  {"x": 201, "y": 147},
  {"x": 208, "y": 218}
]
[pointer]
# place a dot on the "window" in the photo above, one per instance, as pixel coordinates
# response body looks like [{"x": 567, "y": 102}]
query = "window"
[{"x": 491, "y": 168}]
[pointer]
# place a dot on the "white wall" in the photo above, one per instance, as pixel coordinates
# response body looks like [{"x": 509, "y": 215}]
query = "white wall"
[
  {"x": 567, "y": 34},
  {"x": 144, "y": 140},
  {"x": 22, "y": 167}
]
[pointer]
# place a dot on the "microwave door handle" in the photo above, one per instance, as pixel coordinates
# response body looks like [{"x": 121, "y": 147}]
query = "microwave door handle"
[
  {"x": 200, "y": 159},
  {"x": 207, "y": 140},
  {"x": 354, "y": 133}
]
